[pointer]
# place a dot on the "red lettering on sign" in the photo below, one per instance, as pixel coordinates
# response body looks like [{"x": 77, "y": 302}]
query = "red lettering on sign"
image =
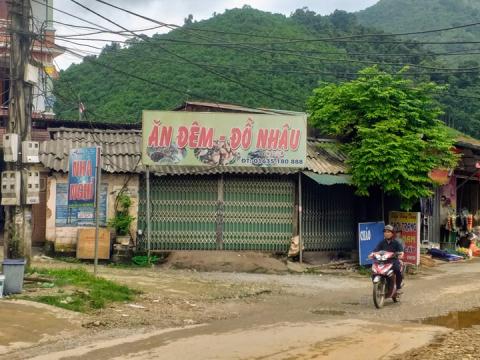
[
  {"x": 193, "y": 138},
  {"x": 247, "y": 138},
  {"x": 182, "y": 137},
  {"x": 262, "y": 138},
  {"x": 81, "y": 192},
  {"x": 294, "y": 139},
  {"x": 235, "y": 138},
  {"x": 205, "y": 140},
  {"x": 283, "y": 142},
  {"x": 273, "y": 139},
  {"x": 160, "y": 136},
  {"x": 166, "y": 136},
  {"x": 82, "y": 168},
  {"x": 153, "y": 137}
]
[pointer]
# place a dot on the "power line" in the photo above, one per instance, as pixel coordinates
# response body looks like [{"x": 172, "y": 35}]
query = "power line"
[
  {"x": 260, "y": 91},
  {"x": 433, "y": 68},
  {"x": 268, "y": 50},
  {"x": 67, "y": 13},
  {"x": 100, "y": 31},
  {"x": 264, "y": 68},
  {"x": 345, "y": 53},
  {"x": 332, "y": 39},
  {"x": 303, "y": 40},
  {"x": 258, "y": 49},
  {"x": 293, "y": 53}
]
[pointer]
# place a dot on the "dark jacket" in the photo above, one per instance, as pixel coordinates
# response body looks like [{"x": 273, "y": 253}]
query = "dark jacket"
[{"x": 394, "y": 246}]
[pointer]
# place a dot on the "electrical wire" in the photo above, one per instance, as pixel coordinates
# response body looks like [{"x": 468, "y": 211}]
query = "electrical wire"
[
  {"x": 267, "y": 68},
  {"x": 301, "y": 40},
  {"x": 262, "y": 49},
  {"x": 259, "y": 91},
  {"x": 432, "y": 68},
  {"x": 346, "y": 53}
]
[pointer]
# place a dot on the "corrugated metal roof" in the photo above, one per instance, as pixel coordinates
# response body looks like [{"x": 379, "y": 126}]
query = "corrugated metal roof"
[
  {"x": 121, "y": 151},
  {"x": 325, "y": 157},
  {"x": 201, "y": 170}
]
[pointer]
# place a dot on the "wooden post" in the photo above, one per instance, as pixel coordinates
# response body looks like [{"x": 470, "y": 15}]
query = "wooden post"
[
  {"x": 18, "y": 219},
  {"x": 97, "y": 208}
]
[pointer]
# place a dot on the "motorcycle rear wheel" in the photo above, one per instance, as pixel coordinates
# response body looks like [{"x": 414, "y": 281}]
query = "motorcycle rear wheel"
[{"x": 379, "y": 293}]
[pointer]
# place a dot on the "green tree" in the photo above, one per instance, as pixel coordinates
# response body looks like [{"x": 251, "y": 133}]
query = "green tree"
[{"x": 390, "y": 129}]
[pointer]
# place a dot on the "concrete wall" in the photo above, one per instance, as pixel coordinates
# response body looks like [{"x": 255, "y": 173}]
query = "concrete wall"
[{"x": 65, "y": 238}]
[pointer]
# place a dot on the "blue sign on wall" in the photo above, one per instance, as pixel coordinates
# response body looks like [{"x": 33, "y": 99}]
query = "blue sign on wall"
[
  {"x": 78, "y": 216},
  {"x": 82, "y": 175},
  {"x": 369, "y": 235}
]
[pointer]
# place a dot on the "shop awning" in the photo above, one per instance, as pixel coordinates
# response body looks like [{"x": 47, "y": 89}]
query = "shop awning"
[{"x": 325, "y": 179}]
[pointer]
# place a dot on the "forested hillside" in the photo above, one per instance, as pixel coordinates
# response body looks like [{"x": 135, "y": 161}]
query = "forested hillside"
[
  {"x": 412, "y": 15},
  {"x": 253, "y": 58},
  {"x": 398, "y": 16}
]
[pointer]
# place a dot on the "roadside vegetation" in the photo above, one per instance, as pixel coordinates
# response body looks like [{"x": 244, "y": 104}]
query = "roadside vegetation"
[{"x": 76, "y": 289}]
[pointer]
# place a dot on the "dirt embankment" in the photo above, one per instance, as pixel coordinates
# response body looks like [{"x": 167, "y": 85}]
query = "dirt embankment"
[{"x": 226, "y": 261}]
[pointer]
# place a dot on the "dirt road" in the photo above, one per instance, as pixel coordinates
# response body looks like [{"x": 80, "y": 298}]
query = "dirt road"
[{"x": 190, "y": 315}]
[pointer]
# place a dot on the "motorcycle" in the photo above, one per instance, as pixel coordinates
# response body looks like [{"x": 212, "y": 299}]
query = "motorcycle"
[{"x": 383, "y": 278}]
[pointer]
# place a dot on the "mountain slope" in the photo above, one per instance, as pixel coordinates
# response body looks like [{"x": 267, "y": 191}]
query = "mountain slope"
[
  {"x": 214, "y": 60},
  {"x": 413, "y": 15},
  {"x": 397, "y": 16},
  {"x": 256, "y": 71}
]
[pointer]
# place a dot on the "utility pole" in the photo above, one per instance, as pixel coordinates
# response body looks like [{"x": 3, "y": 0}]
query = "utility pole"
[{"x": 18, "y": 219}]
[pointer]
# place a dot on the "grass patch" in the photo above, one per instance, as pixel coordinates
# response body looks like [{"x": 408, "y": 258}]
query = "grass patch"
[
  {"x": 365, "y": 270},
  {"x": 89, "y": 292}
]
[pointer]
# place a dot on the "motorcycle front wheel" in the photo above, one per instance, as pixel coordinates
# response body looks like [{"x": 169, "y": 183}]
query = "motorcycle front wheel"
[{"x": 379, "y": 289}]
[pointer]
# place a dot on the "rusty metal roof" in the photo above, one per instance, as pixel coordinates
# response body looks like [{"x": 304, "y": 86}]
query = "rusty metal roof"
[
  {"x": 121, "y": 150},
  {"x": 325, "y": 157},
  {"x": 222, "y": 107}
]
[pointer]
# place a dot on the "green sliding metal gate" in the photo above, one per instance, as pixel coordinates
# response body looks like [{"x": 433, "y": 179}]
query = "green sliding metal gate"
[
  {"x": 328, "y": 221},
  {"x": 223, "y": 212}
]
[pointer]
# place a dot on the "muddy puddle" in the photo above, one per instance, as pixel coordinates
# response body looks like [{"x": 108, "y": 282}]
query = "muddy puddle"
[
  {"x": 455, "y": 320},
  {"x": 23, "y": 324}
]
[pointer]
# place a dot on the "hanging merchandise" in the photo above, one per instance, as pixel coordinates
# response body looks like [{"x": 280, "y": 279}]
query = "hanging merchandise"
[
  {"x": 476, "y": 217},
  {"x": 469, "y": 222},
  {"x": 452, "y": 220}
]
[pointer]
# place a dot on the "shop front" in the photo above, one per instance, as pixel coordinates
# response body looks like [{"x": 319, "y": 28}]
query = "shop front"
[
  {"x": 247, "y": 182},
  {"x": 457, "y": 202}
]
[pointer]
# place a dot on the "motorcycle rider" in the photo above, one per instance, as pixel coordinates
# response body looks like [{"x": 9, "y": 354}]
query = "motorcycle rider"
[{"x": 389, "y": 243}]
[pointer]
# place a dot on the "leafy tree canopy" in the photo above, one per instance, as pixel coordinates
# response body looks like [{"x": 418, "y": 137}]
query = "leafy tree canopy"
[{"x": 391, "y": 131}]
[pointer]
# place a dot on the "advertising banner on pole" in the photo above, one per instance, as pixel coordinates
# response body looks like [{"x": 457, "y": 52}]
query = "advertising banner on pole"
[
  {"x": 369, "y": 235},
  {"x": 408, "y": 224},
  {"x": 82, "y": 175},
  {"x": 223, "y": 139}
]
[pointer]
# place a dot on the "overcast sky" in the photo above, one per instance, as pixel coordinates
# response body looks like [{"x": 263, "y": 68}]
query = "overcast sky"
[{"x": 174, "y": 12}]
